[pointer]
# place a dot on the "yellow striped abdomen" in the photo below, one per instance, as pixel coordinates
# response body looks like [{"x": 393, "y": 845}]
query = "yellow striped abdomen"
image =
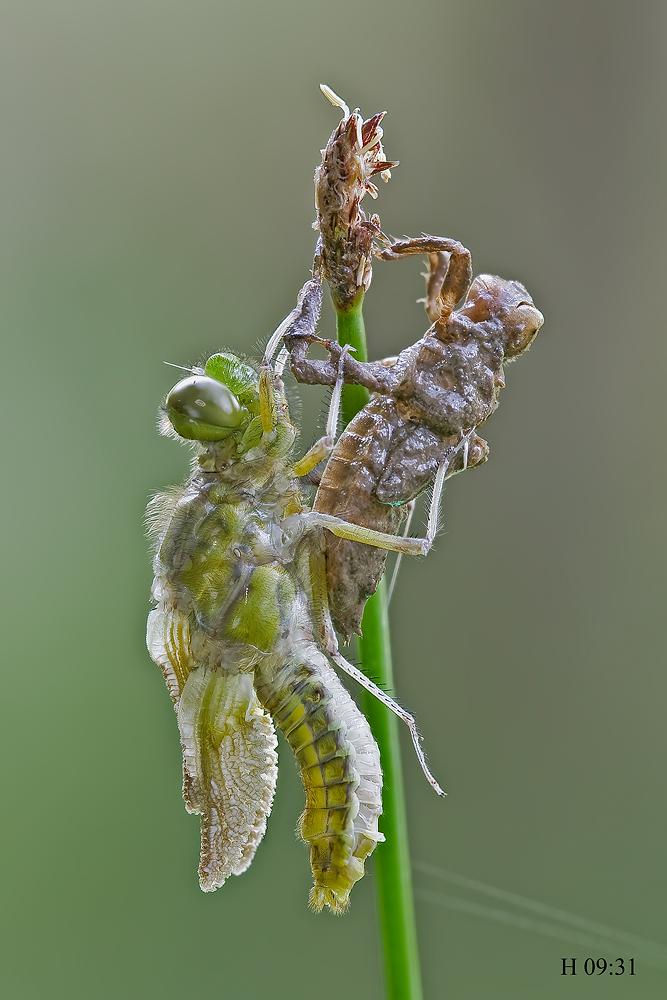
[{"x": 339, "y": 764}]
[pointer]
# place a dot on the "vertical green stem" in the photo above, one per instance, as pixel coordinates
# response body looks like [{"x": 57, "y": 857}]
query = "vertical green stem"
[{"x": 392, "y": 864}]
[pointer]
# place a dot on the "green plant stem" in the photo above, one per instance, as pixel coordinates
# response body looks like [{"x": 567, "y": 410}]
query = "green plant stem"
[{"x": 392, "y": 864}]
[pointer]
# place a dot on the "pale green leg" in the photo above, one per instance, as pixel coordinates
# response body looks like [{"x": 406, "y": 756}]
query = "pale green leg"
[
  {"x": 329, "y": 643},
  {"x": 304, "y": 316},
  {"x": 324, "y": 446},
  {"x": 394, "y": 543},
  {"x": 367, "y": 536},
  {"x": 397, "y": 564},
  {"x": 465, "y": 445},
  {"x": 399, "y": 712}
]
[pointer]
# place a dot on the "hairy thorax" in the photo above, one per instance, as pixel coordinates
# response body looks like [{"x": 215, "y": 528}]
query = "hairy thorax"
[{"x": 224, "y": 561}]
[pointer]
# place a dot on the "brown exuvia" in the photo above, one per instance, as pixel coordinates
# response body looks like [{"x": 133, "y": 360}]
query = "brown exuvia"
[{"x": 428, "y": 403}]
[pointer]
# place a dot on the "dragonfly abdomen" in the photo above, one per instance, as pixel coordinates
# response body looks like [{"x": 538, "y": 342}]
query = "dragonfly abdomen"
[
  {"x": 340, "y": 769},
  {"x": 347, "y": 490}
]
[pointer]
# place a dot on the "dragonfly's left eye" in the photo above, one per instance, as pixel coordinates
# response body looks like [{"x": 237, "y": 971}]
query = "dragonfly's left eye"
[{"x": 203, "y": 409}]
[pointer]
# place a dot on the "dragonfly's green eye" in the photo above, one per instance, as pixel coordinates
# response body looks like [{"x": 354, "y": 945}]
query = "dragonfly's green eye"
[{"x": 202, "y": 409}]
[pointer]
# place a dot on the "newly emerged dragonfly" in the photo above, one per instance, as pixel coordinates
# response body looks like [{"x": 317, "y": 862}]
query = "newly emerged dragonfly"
[
  {"x": 242, "y": 631},
  {"x": 420, "y": 426}
]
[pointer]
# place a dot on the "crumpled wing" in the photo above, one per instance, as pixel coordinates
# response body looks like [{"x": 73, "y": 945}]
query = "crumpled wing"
[
  {"x": 230, "y": 768},
  {"x": 230, "y": 765},
  {"x": 168, "y": 640}
]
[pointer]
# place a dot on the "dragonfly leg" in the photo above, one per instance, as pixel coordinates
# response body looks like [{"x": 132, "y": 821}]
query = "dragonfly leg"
[
  {"x": 393, "y": 706},
  {"x": 397, "y": 564},
  {"x": 324, "y": 446},
  {"x": 301, "y": 321},
  {"x": 384, "y": 540},
  {"x": 297, "y": 333},
  {"x": 373, "y": 375},
  {"x": 439, "y": 486},
  {"x": 366, "y": 536},
  {"x": 381, "y": 539},
  {"x": 449, "y": 275},
  {"x": 328, "y": 643}
]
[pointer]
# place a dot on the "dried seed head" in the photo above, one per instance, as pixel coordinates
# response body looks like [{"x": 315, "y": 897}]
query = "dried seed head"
[{"x": 352, "y": 157}]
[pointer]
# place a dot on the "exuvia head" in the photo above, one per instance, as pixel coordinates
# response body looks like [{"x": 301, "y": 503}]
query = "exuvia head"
[
  {"x": 509, "y": 302},
  {"x": 214, "y": 402}
]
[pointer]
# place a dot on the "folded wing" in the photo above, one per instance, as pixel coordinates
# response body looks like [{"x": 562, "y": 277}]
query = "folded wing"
[{"x": 229, "y": 750}]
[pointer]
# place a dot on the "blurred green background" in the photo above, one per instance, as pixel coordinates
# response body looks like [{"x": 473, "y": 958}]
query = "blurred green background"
[{"x": 157, "y": 163}]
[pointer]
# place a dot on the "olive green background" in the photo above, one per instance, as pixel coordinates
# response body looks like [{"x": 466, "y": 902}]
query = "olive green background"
[{"x": 156, "y": 188}]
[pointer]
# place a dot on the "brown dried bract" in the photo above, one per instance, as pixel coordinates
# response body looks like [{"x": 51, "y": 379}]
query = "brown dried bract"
[{"x": 352, "y": 157}]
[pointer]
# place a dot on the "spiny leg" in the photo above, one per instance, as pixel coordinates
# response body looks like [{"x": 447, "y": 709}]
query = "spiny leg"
[
  {"x": 367, "y": 536},
  {"x": 301, "y": 321},
  {"x": 303, "y": 318},
  {"x": 438, "y": 266},
  {"x": 324, "y": 446},
  {"x": 450, "y": 469},
  {"x": 381, "y": 539},
  {"x": 373, "y": 375},
  {"x": 281, "y": 361},
  {"x": 384, "y": 540},
  {"x": 439, "y": 486},
  {"x": 397, "y": 564},
  {"x": 450, "y": 274},
  {"x": 436, "y": 501},
  {"x": 401, "y": 713},
  {"x": 328, "y": 643},
  {"x": 444, "y": 287},
  {"x": 297, "y": 331}
]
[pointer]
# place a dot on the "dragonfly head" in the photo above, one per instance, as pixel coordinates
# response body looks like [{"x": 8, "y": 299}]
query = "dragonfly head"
[{"x": 214, "y": 403}]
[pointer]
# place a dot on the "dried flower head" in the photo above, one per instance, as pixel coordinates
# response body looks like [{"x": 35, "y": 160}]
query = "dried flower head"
[{"x": 352, "y": 157}]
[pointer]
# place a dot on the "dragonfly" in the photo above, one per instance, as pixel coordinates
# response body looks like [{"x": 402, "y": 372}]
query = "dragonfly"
[
  {"x": 242, "y": 631},
  {"x": 420, "y": 426}
]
